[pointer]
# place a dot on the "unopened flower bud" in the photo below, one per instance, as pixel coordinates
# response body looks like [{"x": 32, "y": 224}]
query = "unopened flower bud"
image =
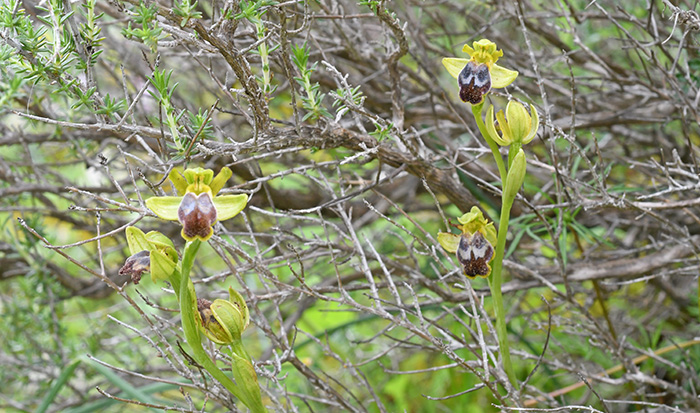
[
  {"x": 516, "y": 125},
  {"x": 223, "y": 321}
]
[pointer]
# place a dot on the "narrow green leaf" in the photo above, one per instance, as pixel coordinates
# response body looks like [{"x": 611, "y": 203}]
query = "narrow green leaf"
[{"x": 61, "y": 381}]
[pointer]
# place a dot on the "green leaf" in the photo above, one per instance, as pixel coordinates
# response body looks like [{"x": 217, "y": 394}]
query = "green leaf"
[{"x": 60, "y": 382}]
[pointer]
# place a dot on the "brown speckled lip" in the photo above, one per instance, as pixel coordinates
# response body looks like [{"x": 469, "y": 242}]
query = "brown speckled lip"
[
  {"x": 474, "y": 253},
  {"x": 197, "y": 214},
  {"x": 474, "y": 82}
]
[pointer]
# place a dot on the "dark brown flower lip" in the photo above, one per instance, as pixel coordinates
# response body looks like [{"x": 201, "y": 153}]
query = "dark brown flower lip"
[
  {"x": 474, "y": 253},
  {"x": 474, "y": 82},
  {"x": 197, "y": 214}
]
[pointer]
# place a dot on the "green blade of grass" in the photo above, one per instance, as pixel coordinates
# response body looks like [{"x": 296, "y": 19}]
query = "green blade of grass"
[{"x": 61, "y": 381}]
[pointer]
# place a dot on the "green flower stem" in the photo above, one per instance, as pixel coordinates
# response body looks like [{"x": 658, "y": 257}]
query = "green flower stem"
[
  {"x": 495, "y": 283},
  {"x": 188, "y": 304},
  {"x": 496, "y": 280}
]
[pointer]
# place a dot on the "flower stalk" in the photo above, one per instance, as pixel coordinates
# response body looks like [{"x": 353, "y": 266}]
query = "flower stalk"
[{"x": 475, "y": 78}]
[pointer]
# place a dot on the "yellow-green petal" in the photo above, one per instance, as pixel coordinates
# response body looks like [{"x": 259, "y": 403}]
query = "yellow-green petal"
[
  {"x": 468, "y": 49},
  {"x": 491, "y": 128},
  {"x": 518, "y": 120},
  {"x": 483, "y": 51},
  {"x": 470, "y": 216},
  {"x": 449, "y": 241},
  {"x": 534, "y": 125},
  {"x": 194, "y": 175},
  {"x": 502, "y": 77},
  {"x": 164, "y": 206},
  {"x": 454, "y": 65},
  {"x": 136, "y": 239},
  {"x": 505, "y": 127},
  {"x": 218, "y": 182},
  {"x": 228, "y": 206},
  {"x": 489, "y": 232},
  {"x": 178, "y": 181}
]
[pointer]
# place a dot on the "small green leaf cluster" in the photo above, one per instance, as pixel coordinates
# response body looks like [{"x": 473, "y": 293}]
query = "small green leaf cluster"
[
  {"x": 382, "y": 132},
  {"x": 343, "y": 96},
  {"x": 187, "y": 11},
  {"x": 52, "y": 54},
  {"x": 163, "y": 95},
  {"x": 372, "y": 4},
  {"x": 314, "y": 98},
  {"x": 150, "y": 32},
  {"x": 253, "y": 11},
  {"x": 201, "y": 121},
  {"x": 90, "y": 31}
]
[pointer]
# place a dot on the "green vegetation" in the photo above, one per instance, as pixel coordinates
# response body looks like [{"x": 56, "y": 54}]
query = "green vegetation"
[{"x": 350, "y": 142}]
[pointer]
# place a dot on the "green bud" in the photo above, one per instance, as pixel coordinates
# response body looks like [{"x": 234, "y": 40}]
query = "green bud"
[
  {"x": 516, "y": 176},
  {"x": 516, "y": 125},
  {"x": 223, "y": 321}
]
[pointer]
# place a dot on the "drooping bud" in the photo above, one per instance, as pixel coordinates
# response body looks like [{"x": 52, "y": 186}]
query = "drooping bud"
[
  {"x": 162, "y": 257},
  {"x": 136, "y": 265}
]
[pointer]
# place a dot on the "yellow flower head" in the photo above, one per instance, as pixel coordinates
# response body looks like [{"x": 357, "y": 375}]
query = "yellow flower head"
[
  {"x": 478, "y": 74},
  {"x": 474, "y": 247},
  {"x": 198, "y": 208}
]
